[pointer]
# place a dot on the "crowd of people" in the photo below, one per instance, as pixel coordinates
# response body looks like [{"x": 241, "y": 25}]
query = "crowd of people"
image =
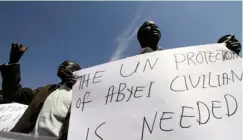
[{"x": 48, "y": 111}]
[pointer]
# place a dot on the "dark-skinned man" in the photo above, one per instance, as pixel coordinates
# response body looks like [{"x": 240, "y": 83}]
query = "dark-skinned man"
[
  {"x": 48, "y": 112},
  {"x": 149, "y": 35}
]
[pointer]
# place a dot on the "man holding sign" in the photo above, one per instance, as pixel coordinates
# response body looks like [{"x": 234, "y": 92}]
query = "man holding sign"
[
  {"x": 47, "y": 114},
  {"x": 149, "y": 35}
]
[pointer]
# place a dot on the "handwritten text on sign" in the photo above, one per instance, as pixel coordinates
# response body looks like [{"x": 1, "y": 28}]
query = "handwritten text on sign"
[
  {"x": 10, "y": 114},
  {"x": 186, "y": 93}
]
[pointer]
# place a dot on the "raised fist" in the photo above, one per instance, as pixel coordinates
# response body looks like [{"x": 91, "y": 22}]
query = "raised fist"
[
  {"x": 17, "y": 50},
  {"x": 231, "y": 43}
]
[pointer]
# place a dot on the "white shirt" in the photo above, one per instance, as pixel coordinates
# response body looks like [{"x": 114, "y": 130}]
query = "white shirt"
[{"x": 53, "y": 113}]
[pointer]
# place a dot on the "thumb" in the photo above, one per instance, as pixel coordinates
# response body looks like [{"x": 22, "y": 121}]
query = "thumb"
[{"x": 23, "y": 49}]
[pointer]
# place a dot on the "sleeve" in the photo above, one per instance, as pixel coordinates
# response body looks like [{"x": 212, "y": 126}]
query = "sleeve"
[
  {"x": 65, "y": 127},
  {"x": 12, "y": 89}
]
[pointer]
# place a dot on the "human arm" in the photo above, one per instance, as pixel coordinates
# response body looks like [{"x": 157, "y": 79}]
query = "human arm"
[{"x": 11, "y": 76}]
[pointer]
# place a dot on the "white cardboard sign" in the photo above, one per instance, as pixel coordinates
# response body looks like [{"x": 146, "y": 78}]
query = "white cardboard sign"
[
  {"x": 190, "y": 93},
  {"x": 10, "y": 114}
]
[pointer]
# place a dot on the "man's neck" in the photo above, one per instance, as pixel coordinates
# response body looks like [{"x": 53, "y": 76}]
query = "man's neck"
[{"x": 153, "y": 48}]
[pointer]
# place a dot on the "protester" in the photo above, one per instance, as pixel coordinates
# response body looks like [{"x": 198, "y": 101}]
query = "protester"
[
  {"x": 148, "y": 36},
  {"x": 48, "y": 111},
  {"x": 231, "y": 43}
]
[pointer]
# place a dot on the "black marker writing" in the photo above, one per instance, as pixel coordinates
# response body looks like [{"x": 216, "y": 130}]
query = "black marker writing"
[
  {"x": 96, "y": 132},
  {"x": 213, "y": 109},
  {"x": 162, "y": 118},
  {"x": 4, "y": 118},
  {"x": 189, "y": 82},
  {"x": 126, "y": 92},
  {"x": 86, "y": 79},
  {"x": 202, "y": 57},
  {"x": 227, "y": 96},
  {"x": 183, "y": 116},
  {"x": 199, "y": 103},
  {"x": 137, "y": 67},
  {"x": 148, "y": 127},
  {"x": 5, "y": 129},
  {"x": 203, "y": 112},
  {"x": 96, "y": 76},
  {"x": 84, "y": 101},
  {"x": 120, "y": 93},
  {"x": 233, "y": 75},
  {"x": 149, "y": 63},
  {"x": 198, "y": 80},
  {"x": 87, "y": 136}
]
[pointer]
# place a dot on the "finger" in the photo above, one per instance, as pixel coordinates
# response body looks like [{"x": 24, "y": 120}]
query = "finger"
[
  {"x": 64, "y": 74},
  {"x": 26, "y": 48},
  {"x": 231, "y": 38},
  {"x": 70, "y": 81},
  {"x": 13, "y": 45},
  {"x": 69, "y": 77},
  {"x": 67, "y": 72},
  {"x": 17, "y": 44},
  {"x": 23, "y": 49}
]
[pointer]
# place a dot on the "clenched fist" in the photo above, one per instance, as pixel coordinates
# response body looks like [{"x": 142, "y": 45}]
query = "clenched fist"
[{"x": 17, "y": 50}]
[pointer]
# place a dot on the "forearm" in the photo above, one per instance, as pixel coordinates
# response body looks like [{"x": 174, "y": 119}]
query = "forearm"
[
  {"x": 11, "y": 78},
  {"x": 11, "y": 87}
]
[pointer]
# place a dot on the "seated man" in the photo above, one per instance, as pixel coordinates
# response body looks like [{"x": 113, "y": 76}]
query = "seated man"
[
  {"x": 148, "y": 36},
  {"x": 48, "y": 111}
]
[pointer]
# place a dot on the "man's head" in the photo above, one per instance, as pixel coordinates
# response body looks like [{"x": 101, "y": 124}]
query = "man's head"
[
  {"x": 149, "y": 35},
  {"x": 65, "y": 72},
  {"x": 231, "y": 42}
]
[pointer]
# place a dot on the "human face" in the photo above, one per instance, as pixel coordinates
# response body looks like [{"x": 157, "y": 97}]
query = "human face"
[{"x": 151, "y": 28}]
